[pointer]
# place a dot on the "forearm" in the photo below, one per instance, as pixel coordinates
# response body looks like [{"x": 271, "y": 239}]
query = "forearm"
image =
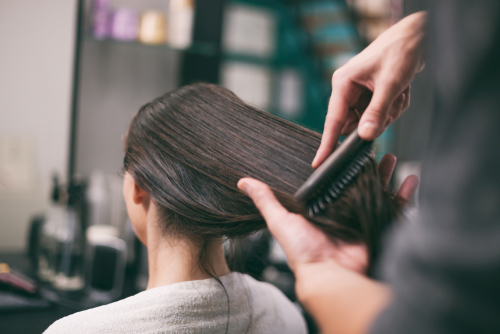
[{"x": 340, "y": 300}]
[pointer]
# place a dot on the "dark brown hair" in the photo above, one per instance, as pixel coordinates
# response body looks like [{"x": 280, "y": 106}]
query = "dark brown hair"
[{"x": 188, "y": 148}]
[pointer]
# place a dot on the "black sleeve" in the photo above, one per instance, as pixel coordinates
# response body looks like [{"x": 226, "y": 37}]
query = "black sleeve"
[{"x": 445, "y": 266}]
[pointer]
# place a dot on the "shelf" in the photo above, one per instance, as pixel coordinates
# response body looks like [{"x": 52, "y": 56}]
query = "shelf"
[
  {"x": 206, "y": 49},
  {"x": 263, "y": 61}
]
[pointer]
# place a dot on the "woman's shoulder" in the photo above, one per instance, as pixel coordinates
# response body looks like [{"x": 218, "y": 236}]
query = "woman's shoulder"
[
  {"x": 272, "y": 309},
  {"x": 201, "y": 304},
  {"x": 111, "y": 318},
  {"x": 147, "y": 311}
]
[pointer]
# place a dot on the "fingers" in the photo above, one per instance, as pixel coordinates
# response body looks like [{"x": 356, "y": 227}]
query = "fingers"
[
  {"x": 397, "y": 106},
  {"x": 400, "y": 104},
  {"x": 386, "y": 168},
  {"x": 264, "y": 199},
  {"x": 407, "y": 190},
  {"x": 373, "y": 121},
  {"x": 351, "y": 123},
  {"x": 406, "y": 104},
  {"x": 280, "y": 222},
  {"x": 421, "y": 66},
  {"x": 302, "y": 242},
  {"x": 335, "y": 120}
]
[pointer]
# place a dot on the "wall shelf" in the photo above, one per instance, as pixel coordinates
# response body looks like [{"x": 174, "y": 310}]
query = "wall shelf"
[{"x": 201, "y": 48}]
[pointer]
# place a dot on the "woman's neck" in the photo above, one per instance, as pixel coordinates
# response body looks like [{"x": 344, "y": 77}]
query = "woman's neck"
[{"x": 176, "y": 259}]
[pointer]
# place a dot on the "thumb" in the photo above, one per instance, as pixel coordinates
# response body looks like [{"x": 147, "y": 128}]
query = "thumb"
[
  {"x": 301, "y": 241},
  {"x": 271, "y": 209},
  {"x": 292, "y": 231},
  {"x": 373, "y": 120}
]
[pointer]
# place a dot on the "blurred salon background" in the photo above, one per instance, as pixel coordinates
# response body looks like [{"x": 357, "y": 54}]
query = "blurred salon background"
[{"x": 73, "y": 73}]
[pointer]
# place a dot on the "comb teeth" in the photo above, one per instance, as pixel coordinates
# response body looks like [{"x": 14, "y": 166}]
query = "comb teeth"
[
  {"x": 317, "y": 205},
  {"x": 310, "y": 211},
  {"x": 321, "y": 204}
]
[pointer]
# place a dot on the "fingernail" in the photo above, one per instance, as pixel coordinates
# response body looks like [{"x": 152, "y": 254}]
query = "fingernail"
[
  {"x": 314, "y": 160},
  {"x": 368, "y": 129},
  {"x": 243, "y": 186}
]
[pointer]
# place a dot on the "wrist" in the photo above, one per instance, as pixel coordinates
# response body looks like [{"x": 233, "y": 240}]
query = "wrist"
[
  {"x": 310, "y": 276},
  {"x": 339, "y": 299}
]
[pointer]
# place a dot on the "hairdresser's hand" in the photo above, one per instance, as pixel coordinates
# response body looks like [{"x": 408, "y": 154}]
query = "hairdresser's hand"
[
  {"x": 304, "y": 243},
  {"x": 385, "y": 68}
]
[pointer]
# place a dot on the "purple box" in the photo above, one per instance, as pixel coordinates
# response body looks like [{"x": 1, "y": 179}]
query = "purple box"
[{"x": 124, "y": 24}]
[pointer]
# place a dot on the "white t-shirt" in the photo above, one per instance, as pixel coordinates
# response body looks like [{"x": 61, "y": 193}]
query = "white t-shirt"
[{"x": 192, "y": 307}]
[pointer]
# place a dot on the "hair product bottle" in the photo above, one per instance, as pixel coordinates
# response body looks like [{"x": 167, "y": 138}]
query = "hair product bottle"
[
  {"x": 53, "y": 221},
  {"x": 98, "y": 199},
  {"x": 181, "y": 23},
  {"x": 70, "y": 247}
]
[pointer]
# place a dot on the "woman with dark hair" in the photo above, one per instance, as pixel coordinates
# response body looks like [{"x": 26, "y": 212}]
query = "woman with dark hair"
[{"x": 184, "y": 154}]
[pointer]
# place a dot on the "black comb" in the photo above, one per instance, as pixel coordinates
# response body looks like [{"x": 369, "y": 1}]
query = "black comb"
[{"x": 327, "y": 182}]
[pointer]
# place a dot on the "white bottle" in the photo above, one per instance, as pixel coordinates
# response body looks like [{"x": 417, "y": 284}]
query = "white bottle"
[
  {"x": 98, "y": 199},
  {"x": 46, "y": 265},
  {"x": 180, "y": 23},
  {"x": 54, "y": 219},
  {"x": 70, "y": 244}
]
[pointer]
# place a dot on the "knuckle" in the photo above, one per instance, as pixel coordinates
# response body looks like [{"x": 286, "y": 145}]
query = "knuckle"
[
  {"x": 338, "y": 76},
  {"x": 262, "y": 192},
  {"x": 406, "y": 104},
  {"x": 395, "y": 115},
  {"x": 408, "y": 98},
  {"x": 401, "y": 99},
  {"x": 377, "y": 110},
  {"x": 393, "y": 83}
]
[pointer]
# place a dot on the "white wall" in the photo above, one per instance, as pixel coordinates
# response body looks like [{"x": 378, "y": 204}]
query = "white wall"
[{"x": 36, "y": 59}]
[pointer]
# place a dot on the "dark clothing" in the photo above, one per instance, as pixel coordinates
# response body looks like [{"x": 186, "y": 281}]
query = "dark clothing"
[{"x": 445, "y": 267}]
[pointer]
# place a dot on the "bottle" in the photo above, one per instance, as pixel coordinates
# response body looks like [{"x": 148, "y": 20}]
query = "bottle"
[
  {"x": 152, "y": 28},
  {"x": 46, "y": 253},
  {"x": 98, "y": 199},
  {"x": 181, "y": 15},
  {"x": 70, "y": 247}
]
